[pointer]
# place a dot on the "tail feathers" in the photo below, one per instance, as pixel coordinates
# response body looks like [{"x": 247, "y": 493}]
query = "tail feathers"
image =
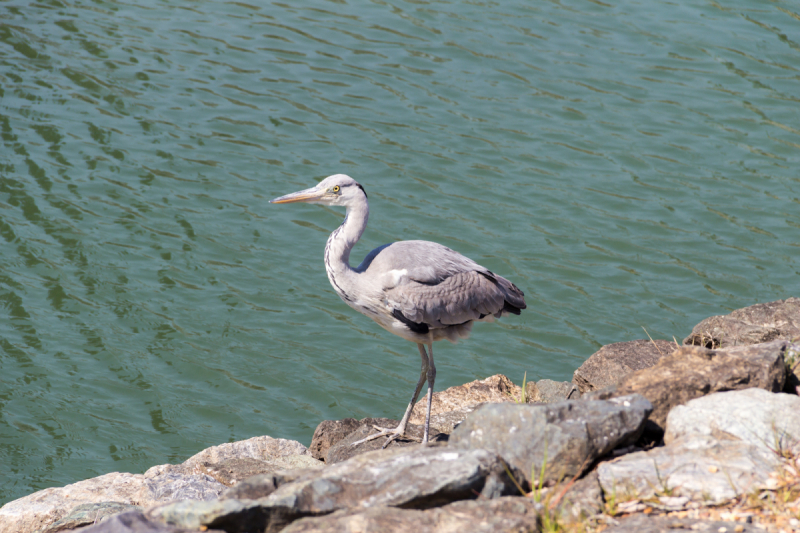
[{"x": 514, "y": 298}]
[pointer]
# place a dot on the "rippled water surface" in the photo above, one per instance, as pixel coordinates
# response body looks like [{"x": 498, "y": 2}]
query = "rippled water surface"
[{"x": 627, "y": 164}]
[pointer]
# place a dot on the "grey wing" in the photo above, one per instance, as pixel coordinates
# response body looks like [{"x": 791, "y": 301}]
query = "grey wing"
[{"x": 431, "y": 284}]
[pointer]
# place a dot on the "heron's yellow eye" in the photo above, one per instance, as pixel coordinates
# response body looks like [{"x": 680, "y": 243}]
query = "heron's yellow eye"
[{"x": 335, "y": 188}]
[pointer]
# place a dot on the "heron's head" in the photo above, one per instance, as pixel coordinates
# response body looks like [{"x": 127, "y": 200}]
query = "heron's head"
[{"x": 338, "y": 189}]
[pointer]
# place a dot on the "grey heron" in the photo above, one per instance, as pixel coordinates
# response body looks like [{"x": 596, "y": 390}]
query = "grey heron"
[{"x": 419, "y": 290}]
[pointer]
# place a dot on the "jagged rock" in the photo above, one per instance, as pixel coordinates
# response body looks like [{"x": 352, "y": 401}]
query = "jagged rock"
[
  {"x": 418, "y": 479},
  {"x": 159, "y": 484},
  {"x": 42, "y": 508},
  {"x": 641, "y": 523},
  {"x": 611, "y": 363},
  {"x": 701, "y": 468},
  {"x": 502, "y": 515},
  {"x": 549, "y": 391},
  {"x": 692, "y": 371},
  {"x": 756, "y": 324},
  {"x": 88, "y": 514},
  {"x": 566, "y": 436},
  {"x": 345, "y": 449},
  {"x": 770, "y": 421},
  {"x": 137, "y": 522},
  {"x": 328, "y": 433},
  {"x": 494, "y": 389}
]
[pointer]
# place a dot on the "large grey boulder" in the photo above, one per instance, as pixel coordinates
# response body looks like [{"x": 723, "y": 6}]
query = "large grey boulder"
[
  {"x": 609, "y": 365},
  {"x": 189, "y": 480},
  {"x": 565, "y": 437},
  {"x": 750, "y": 325},
  {"x": 692, "y": 371},
  {"x": 701, "y": 468},
  {"x": 502, "y": 515},
  {"x": 417, "y": 478},
  {"x": 764, "y": 419}
]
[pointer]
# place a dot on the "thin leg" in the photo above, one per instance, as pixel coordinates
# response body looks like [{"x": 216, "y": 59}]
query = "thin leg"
[
  {"x": 431, "y": 379},
  {"x": 401, "y": 428}
]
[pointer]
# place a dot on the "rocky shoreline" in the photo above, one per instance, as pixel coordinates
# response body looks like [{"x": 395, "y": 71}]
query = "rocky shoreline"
[{"x": 649, "y": 436}]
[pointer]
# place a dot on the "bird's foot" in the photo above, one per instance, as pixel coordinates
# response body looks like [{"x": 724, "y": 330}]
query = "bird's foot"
[{"x": 391, "y": 434}]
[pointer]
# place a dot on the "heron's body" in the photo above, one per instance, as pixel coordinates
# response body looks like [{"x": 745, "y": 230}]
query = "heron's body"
[{"x": 419, "y": 290}]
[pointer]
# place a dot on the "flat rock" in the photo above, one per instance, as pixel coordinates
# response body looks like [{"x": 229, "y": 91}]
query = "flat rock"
[
  {"x": 566, "y": 436},
  {"x": 703, "y": 469},
  {"x": 494, "y": 389},
  {"x": 502, "y": 515},
  {"x": 609, "y": 365},
  {"x": 666, "y": 524},
  {"x": 137, "y": 522},
  {"x": 417, "y": 479},
  {"x": 692, "y": 371},
  {"x": 767, "y": 420},
  {"x": 88, "y": 514},
  {"x": 549, "y": 391},
  {"x": 345, "y": 449},
  {"x": 750, "y": 325}
]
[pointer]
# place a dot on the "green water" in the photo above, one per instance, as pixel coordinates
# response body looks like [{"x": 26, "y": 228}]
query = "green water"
[{"x": 626, "y": 164}]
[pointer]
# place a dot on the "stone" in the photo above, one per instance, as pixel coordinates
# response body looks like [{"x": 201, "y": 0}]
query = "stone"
[
  {"x": 566, "y": 437},
  {"x": 702, "y": 468},
  {"x": 494, "y": 389},
  {"x": 231, "y": 471},
  {"x": 40, "y": 509},
  {"x": 642, "y": 523},
  {"x": 609, "y": 365},
  {"x": 764, "y": 419},
  {"x": 692, "y": 371},
  {"x": 328, "y": 433},
  {"x": 502, "y": 515},
  {"x": 88, "y": 514},
  {"x": 137, "y": 522},
  {"x": 792, "y": 358},
  {"x": 582, "y": 499},
  {"x": 417, "y": 478},
  {"x": 170, "y": 485},
  {"x": 756, "y": 324},
  {"x": 448, "y": 409},
  {"x": 262, "y": 485},
  {"x": 159, "y": 484},
  {"x": 264, "y": 448},
  {"x": 345, "y": 449},
  {"x": 549, "y": 391}
]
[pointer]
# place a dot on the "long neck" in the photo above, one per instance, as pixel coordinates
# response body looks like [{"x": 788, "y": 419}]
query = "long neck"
[{"x": 341, "y": 241}]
